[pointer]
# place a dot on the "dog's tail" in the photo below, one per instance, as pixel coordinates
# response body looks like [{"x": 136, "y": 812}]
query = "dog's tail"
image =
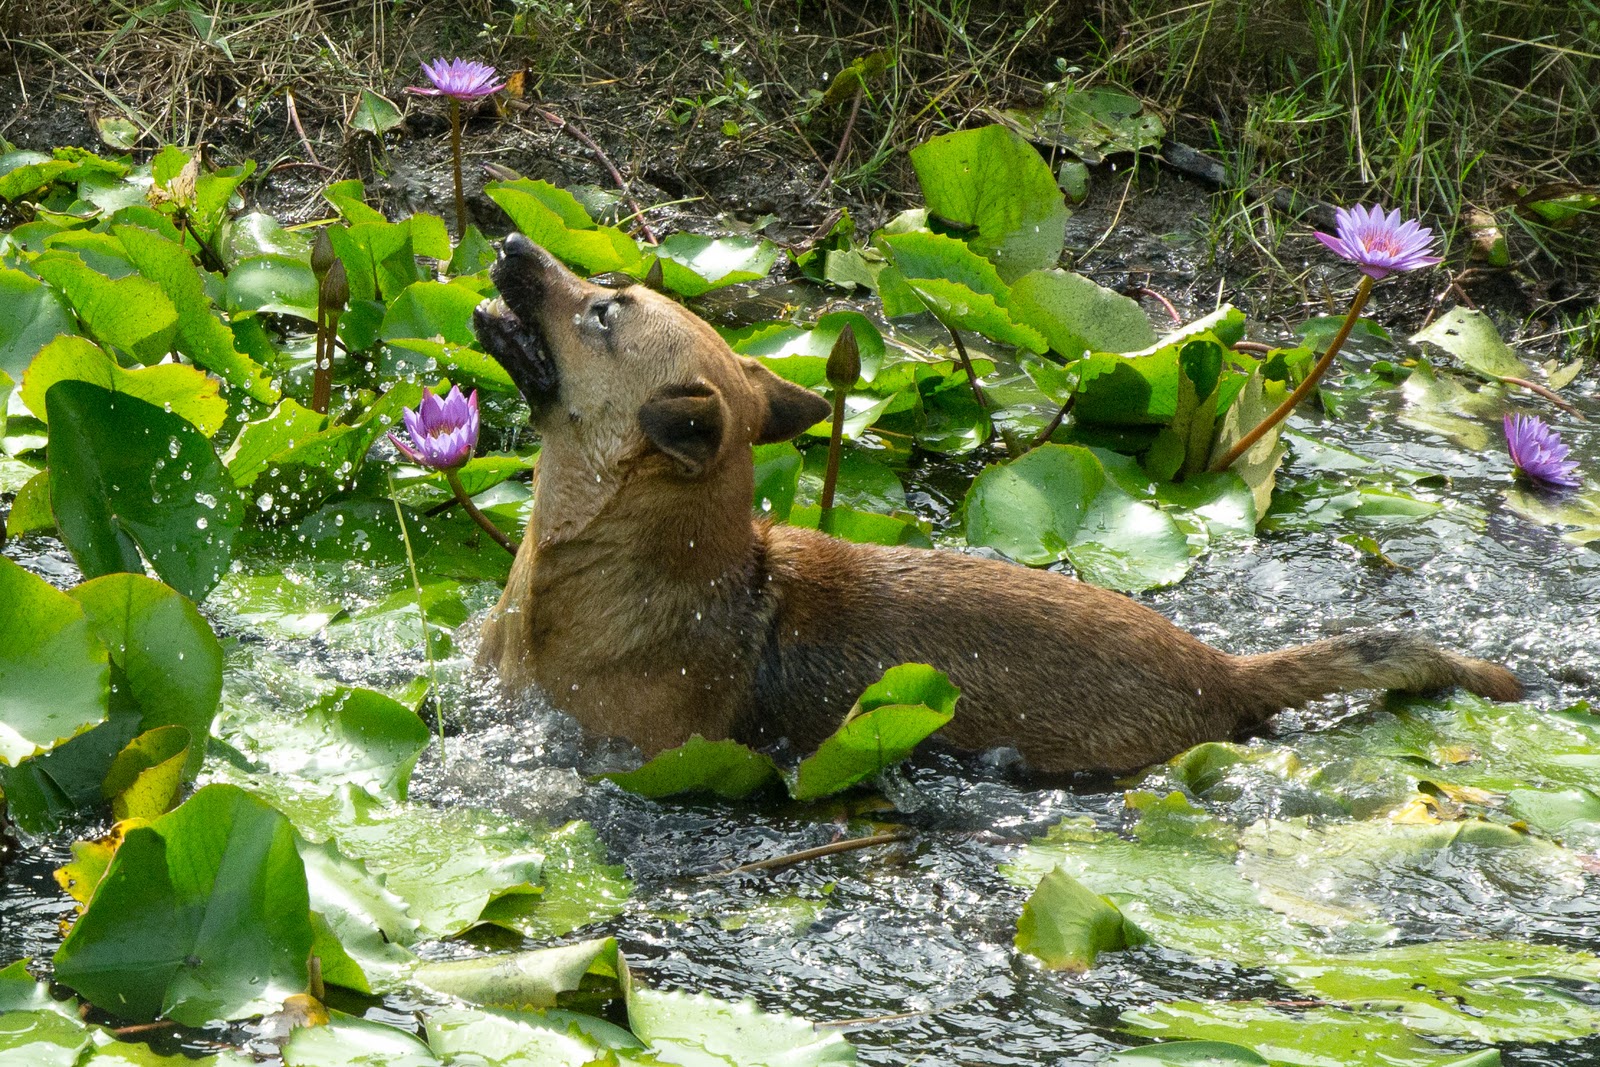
[{"x": 1371, "y": 660}]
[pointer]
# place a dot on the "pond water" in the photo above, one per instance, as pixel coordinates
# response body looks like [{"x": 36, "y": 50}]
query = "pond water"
[{"x": 910, "y": 945}]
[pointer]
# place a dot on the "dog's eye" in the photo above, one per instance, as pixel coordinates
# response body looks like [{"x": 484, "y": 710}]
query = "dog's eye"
[{"x": 603, "y": 314}]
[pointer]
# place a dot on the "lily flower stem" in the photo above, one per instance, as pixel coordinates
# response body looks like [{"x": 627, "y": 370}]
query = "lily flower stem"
[
  {"x": 422, "y": 613},
  {"x": 830, "y": 478},
  {"x": 1363, "y": 291},
  {"x": 477, "y": 516},
  {"x": 1055, "y": 424},
  {"x": 966, "y": 365},
  {"x": 322, "y": 367},
  {"x": 455, "y": 158}
]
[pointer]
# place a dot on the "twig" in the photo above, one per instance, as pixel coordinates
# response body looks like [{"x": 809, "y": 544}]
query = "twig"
[
  {"x": 844, "y": 139},
  {"x": 789, "y": 859},
  {"x": 1251, "y": 346},
  {"x": 1281, "y": 412},
  {"x": 1055, "y": 423},
  {"x": 1142, "y": 290},
  {"x": 1549, "y": 394},
  {"x": 294, "y": 120},
  {"x": 477, "y": 516},
  {"x": 143, "y": 1028},
  {"x": 616, "y": 175}
]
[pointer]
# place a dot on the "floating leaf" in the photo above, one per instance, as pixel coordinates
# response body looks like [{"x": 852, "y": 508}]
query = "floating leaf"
[
  {"x": 560, "y": 225},
  {"x": 1056, "y": 503},
  {"x": 992, "y": 181},
  {"x": 1470, "y": 336},
  {"x": 31, "y": 315},
  {"x": 131, "y": 313},
  {"x": 1066, "y": 925},
  {"x": 889, "y": 720},
  {"x": 350, "y": 1041},
  {"x": 54, "y": 675},
  {"x": 725, "y": 768},
  {"x": 525, "y": 980},
  {"x": 130, "y": 481},
  {"x": 1077, "y": 316},
  {"x": 1090, "y": 123},
  {"x": 202, "y": 915},
  {"x": 700, "y": 1031},
  {"x": 274, "y": 284},
  {"x": 145, "y": 779},
  {"x": 166, "y": 663},
  {"x": 375, "y": 114},
  {"x": 170, "y": 386},
  {"x": 693, "y": 265}
]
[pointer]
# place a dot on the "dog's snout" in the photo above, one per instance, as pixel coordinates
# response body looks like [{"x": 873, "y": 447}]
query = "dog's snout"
[{"x": 517, "y": 245}]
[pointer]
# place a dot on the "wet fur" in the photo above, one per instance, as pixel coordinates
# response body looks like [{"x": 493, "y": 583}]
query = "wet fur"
[{"x": 647, "y": 602}]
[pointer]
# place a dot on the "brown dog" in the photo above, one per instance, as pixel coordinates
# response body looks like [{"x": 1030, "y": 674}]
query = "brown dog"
[{"x": 647, "y": 602}]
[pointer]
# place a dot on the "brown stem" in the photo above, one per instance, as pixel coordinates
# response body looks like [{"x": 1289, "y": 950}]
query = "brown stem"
[
  {"x": 1144, "y": 290},
  {"x": 455, "y": 159},
  {"x": 477, "y": 516},
  {"x": 322, "y": 367},
  {"x": 1304, "y": 389},
  {"x": 848, "y": 845},
  {"x": 1055, "y": 423},
  {"x": 1549, "y": 394},
  {"x": 830, "y": 477},
  {"x": 616, "y": 175},
  {"x": 844, "y": 139},
  {"x": 966, "y": 365}
]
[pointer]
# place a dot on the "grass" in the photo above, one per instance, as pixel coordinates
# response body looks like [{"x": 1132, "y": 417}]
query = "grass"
[{"x": 1434, "y": 106}]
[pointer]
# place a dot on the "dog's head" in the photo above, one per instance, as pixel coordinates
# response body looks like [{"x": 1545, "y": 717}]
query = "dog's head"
[{"x": 625, "y": 374}]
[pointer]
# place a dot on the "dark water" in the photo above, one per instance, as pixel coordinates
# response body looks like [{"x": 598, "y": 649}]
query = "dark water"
[{"x": 922, "y": 930}]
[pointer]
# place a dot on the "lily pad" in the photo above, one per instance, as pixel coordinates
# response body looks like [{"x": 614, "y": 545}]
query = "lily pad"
[
  {"x": 1470, "y": 336},
  {"x": 1067, "y": 926},
  {"x": 886, "y": 723},
  {"x": 724, "y": 768},
  {"x": 54, "y": 675}
]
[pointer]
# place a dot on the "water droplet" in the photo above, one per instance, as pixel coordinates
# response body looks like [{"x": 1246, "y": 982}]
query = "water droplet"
[
  {"x": 201, "y": 523},
  {"x": 264, "y": 501}
]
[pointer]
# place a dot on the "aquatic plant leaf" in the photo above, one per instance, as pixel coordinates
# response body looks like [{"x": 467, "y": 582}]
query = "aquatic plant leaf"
[
  {"x": 54, "y": 671},
  {"x": 131, "y": 313},
  {"x": 129, "y": 481},
  {"x": 202, "y": 915},
  {"x": 864, "y": 484},
  {"x": 30, "y": 508},
  {"x": 862, "y": 527},
  {"x": 375, "y": 114},
  {"x": 287, "y": 425},
  {"x": 529, "y": 980},
  {"x": 166, "y": 664},
  {"x": 259, "y": 234},
  {"x": 1186, "y": 1053},
  {"x": 695, "y": 1030},
  {"x": 1066, "y": 925},
  {"x": 1569, "y": 815},
  {"x": 433, "y": 309},
  {"x": 500, "y": 1038},
  {"x": 692, "y": 264},
  {"x": 1055, "y": 503},
  {"x": 960, "y": 308},
  {"x": 724, "y": 768},
  {"x": 170, "y": 386},
  {"x": 201, "y": 335},
  {"x": 1077, "y": 316},
  {"x": 992, "y": 181},
  {"x": 1301, "y": 1037},
  {"x": 20, "y": 991},
  {"x": 145, "y": 778},
  {"x": 31, "y": 315},
  {"x": 446, "y": 865},
  {"x": 355, "y": 736},
  {"x": 1089, "y": 123},
  {"x": 1442, "y": 403},
  {"x": 351, "y": 1041},
  {"x": 777, "y": 478},
  {"x": 1259, "y": 465},
  {"x": 1579, "y": 511},
  {"x": 1471, "y": 336},
  {"x": 886, "y": 723},
  {"x": 578, "y": 887},
  {"x": 358, "y": 920},
  {"x": 273, "y": 284},
  {"x": 42, "y": 1039},
  {"x": 800, "y": 354},
  {"x": 26, "y": 172},
  {"x": 556, "y": 222}
]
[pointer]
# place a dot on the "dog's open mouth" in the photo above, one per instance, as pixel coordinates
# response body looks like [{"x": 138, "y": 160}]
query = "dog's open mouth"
[{"x": 520, "y": 348}]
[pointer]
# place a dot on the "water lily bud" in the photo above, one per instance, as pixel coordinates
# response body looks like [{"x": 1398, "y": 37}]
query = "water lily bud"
[
  {"x": 844, "y": 361},
  {"x": 322, "y": 257},
  {"x": 335, "y": 287}
]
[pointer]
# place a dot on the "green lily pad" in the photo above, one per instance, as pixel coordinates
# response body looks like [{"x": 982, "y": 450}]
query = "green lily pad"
[
  {"x": 693, "y": 265},
  {"x": 886, "y": 723},
  {"x": 131, "y": 313},
  {"x": 129, "y": 481},
  {"x": 724, "y": 768},
  {"x": 555, "y": 221},
  {"x": 524, "y": 980},
  {"x": 146, "y": 777},
  {"x": 1187, "y": 1053},
  {"x": 1067, "y": 926},
  {"x": 31, "y": 315},
  {"x": 170, "y": 386},
  {"x": 699, "y": 1031},
  {"x": 54, "y": 675},
  {"x": 201, "y": 915},
  {"x": 1470, "y": 336},
  {"x": 1077, "y": 316}
]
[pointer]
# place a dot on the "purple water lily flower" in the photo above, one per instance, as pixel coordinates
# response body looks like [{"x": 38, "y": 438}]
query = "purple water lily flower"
[
  {"x": 443, "y": 432},
  {"x": 1538, "y": 452},
  {"x": 459, "y": 79},
  {"x": 1380, "y": 244}
]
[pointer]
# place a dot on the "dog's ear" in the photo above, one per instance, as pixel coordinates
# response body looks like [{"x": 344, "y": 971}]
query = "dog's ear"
[
  {"x": 686, "y": 422},
  {"x": 790, "y": 408}
]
